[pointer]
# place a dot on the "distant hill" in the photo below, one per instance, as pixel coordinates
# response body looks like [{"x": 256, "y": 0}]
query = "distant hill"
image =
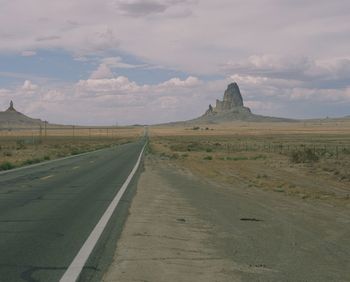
[
  {"x": 230, "y": 109},
  {"x": 13, "y": 118}
]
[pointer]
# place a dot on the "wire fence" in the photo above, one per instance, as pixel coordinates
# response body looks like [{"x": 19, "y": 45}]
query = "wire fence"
[
  {"x": 44, "y": 131},
  {"x": 329, "y": 150},
  {"x": 22, "y": 136}
]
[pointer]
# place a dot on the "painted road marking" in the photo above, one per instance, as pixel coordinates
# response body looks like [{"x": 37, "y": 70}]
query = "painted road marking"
[
  {"x": 73, "y": 271},
  {"x": 46, "y": 177},
  {"x": 76, "y": 167}
]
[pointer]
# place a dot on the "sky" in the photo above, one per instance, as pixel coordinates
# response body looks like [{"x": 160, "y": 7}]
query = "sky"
[{"x": 110, "y": 62}]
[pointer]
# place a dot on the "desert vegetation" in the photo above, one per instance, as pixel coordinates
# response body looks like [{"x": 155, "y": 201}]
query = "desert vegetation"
[
  {"x": 30, "y": 146},
  {"x": 309, "y": 161}
]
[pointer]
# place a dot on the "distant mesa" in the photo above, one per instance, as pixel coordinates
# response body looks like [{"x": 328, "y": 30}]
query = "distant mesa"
[{"x": 12, "y": 118}]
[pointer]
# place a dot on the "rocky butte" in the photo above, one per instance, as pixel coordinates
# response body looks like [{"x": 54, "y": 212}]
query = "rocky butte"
[
  {"x": 232, "y": 101},
  {"x": 232, "y": 108},
  {"x": 13, "y": 118}
]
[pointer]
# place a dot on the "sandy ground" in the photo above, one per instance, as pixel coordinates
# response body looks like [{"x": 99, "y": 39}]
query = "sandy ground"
[
  {"x": 165, "y": 239},
  {"x": 185, "y": 228}
]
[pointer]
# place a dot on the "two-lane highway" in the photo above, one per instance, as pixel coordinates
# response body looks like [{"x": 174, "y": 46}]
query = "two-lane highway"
[{"x": 47, "y": 212}]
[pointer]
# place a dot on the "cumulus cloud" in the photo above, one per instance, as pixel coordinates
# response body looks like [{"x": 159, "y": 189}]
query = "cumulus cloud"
[
  {"x": 177, "y": 82},
  {"x": 103, "y": 71},
  {"x": 28, "y": 86},
  {"x": 119, "y": 84},
  {"x": 122, "y": 85}
]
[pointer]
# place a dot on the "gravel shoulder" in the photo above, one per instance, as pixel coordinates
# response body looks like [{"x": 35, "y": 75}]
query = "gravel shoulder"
[{"x": 185, "y": 228}]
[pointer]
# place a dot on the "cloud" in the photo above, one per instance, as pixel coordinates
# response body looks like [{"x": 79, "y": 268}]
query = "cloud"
[
  {"x": 144, "y": 8},
  {"x": 292, "y": 78},
  {"x": 117, "y": 62},
  {"x": 122, "y": 85},
  {"x": 118, "y": 85},
  {"x": 177, "y": 82},
  {"x": 141, "y": 8},
  {"x": 28, "y": 53},
  {"x": 103, "y": 71},
  {"x": 48, "y": 38},
  {"x": 29, "y": 87},
  {"x": 195, "y": 36}
]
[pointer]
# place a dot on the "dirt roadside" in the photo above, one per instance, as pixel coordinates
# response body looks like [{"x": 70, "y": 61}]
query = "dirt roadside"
[{"x": 183, "y": 228}]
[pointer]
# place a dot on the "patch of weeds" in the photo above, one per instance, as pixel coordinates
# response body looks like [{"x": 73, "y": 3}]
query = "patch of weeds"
[
  {"x": 303, "y": 156},
  {"x": 194, "y": 146},
  {"x": 174, "y": 156},
  {"x": 61, "y": 155},
  {"x": 179, "y": 148},
  {"x": 47, "y": 158},
  {"x": 235, "y": 158},
  {"x": 20, "y": 145},
  {"x": 6, "y": 166},
  {"x": 208, "y": 158},
  {"x": 31, "y": 161},
  {"x": 258, "y": 157},
  {"x": 8, "y": 154},
  {"x": 209, "y": 150},
  {"x": 279, "y": 189}
]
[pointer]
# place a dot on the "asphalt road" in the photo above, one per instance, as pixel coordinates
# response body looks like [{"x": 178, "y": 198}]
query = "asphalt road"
[{"x": 47, "y": 212}]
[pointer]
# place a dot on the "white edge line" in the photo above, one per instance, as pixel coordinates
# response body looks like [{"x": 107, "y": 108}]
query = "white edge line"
[
  {"x": 52, "y": 161},
  {"x": 73, "y": 271}
]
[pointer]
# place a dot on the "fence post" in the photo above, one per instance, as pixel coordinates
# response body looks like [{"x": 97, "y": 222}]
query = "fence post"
[{"x": 336, "y": 151}]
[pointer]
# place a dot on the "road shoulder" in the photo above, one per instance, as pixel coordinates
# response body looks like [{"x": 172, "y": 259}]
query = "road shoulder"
[
  {"x": 183, "y": 227},
  {"x": 164, "y": 239}
]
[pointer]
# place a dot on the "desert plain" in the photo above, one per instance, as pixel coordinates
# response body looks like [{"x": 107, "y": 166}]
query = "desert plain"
[{"x": 240, "y": 201}]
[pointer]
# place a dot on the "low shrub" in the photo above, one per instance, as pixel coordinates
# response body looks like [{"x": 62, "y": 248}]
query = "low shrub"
[
  {"x": 20, "y": 145},
  {"x": 7, "y": 154},
  {"x": 6, "y": 166},
  {"x": 31, "y": 161},
  {"x": 303, "y": 156}
]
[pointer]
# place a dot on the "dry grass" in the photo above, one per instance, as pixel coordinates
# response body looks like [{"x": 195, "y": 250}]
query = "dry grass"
[
  {"x": 261, "y": 155},
  {"x": 24, "y": 147}
]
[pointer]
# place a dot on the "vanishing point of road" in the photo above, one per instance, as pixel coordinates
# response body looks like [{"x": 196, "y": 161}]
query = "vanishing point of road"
[{"x": 48, "y": 211}]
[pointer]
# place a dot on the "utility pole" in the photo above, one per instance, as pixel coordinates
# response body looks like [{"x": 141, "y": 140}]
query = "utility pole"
[{"x": 45, "y": 124}]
